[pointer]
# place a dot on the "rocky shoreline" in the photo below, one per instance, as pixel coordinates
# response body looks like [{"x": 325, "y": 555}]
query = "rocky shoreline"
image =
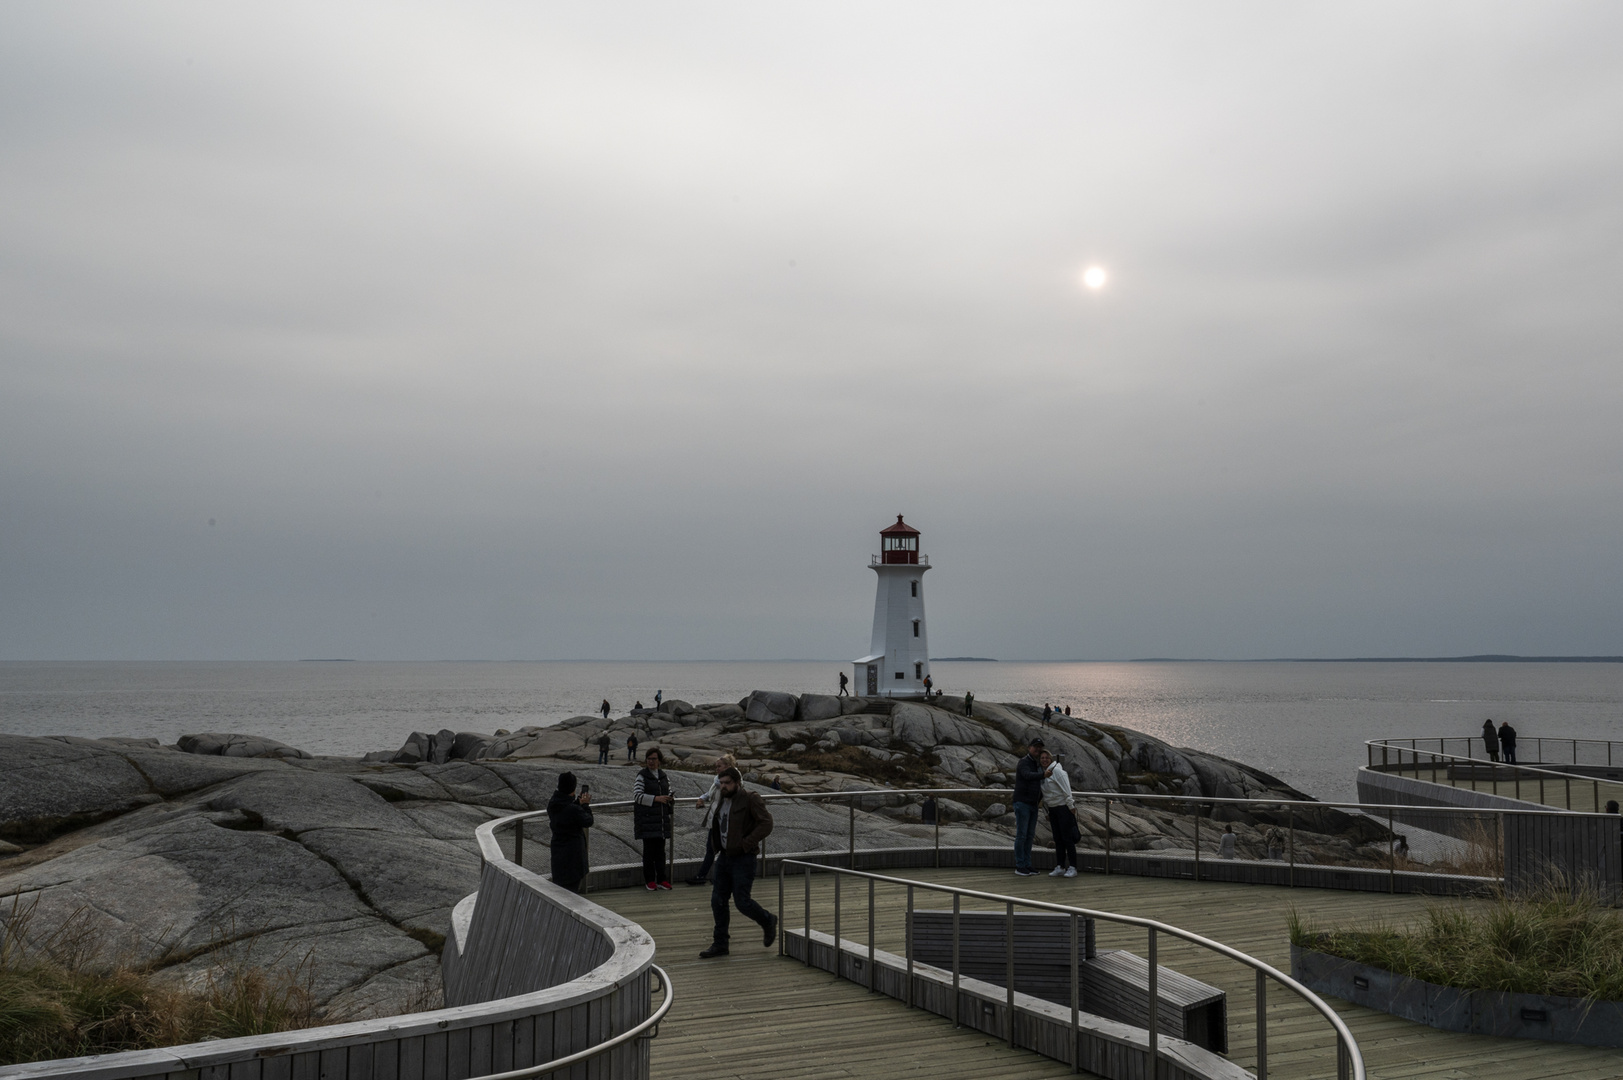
[{"x": 179, "y": 857}]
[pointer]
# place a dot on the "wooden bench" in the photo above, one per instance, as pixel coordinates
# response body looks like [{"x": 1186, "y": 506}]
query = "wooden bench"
[
  {"x": 1042, "y": 948},
  {"x": 1116, "y": 985}
]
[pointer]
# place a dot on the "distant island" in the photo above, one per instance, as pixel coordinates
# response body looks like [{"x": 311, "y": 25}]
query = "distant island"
[
  {"x": 1483, "y": 658},
  {"x": 963, "y": 659}
]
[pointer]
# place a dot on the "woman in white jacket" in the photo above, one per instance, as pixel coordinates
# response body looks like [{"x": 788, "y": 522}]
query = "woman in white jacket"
[{"x": 1061, "y": 815}]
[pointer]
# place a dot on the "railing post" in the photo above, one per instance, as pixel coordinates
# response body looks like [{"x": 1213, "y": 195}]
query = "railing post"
[
  {"x": 910, "y": 946},
  {"x": 807, "y": 926},
  {"x": 1343, "y": 1061},
  {"x": 1262, "y": 1026},
  {"x": 937, "y": 833},
  {"x": 957, "y": 1002},
  {"x": 1569, "y": 793},
  {"x": 1391, "y": 855},
  {"x": 1292, "y": 846},
  {"x": 781, "y": 911},
  {"x": 871, "y": 981},
  {"x": 1076, "y": 1001},
  {"x": 1197, "y": 841},
  {"x": 1597, "y": 795},
  {"x": 851, "y": 846},
  {"x": 518, "y": 842},
  {"x": 1107, "y": 838},
  {"x": 1499, "y": 849},
  {"x": 1154, "y": 1070},
  {"x": 1008, "y": 964},
  {"x": 838, "y": 973}
]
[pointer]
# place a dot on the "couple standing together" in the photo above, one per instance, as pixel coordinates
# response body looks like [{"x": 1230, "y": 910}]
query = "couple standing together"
[{"x": 1040, "y": 780}]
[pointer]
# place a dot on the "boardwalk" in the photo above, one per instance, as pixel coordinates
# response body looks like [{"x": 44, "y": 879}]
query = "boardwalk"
[{"x": 756, "y": 1015}]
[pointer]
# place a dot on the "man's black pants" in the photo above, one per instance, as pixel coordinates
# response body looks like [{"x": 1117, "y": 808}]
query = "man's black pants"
[{"x": 735, "y": 876}]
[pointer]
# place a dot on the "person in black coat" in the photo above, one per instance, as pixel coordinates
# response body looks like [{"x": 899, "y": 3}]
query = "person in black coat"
[
  {"x": 570, "y": 816},
  {"x": 1507, "y": 742},
  {"x": 651, "y": 818}
]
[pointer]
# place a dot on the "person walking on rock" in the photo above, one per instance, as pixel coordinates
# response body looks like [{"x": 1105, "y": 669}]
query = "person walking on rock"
[
  {"x": 631, "y": 747},
  {"x": 723, "y": 763},
  {"x": 1490, "y": 740},
  {"x": 969, "y": 703},
  {"x": 651, "y": 818},
  {"x": 1507, "y": 742},
  {"x": 1028, "y": 795},
  {"x": 845, "y": 686},
  {"x": 569, "y": 816},
  {"x": 737, "y": 828},
  {"x": 603, "y": 748},
  {"x": 1061, "y": 815},
  {"x": 604, "y": 708},
  {"x": 659, "y": 696}
]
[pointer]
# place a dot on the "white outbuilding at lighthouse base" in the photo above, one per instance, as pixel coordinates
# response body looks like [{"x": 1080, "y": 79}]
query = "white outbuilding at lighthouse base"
[{"x": 898, "y": 657}]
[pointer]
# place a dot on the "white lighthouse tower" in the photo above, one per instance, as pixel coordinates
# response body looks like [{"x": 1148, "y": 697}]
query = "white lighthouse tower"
[{"x": 899, "y": 654}]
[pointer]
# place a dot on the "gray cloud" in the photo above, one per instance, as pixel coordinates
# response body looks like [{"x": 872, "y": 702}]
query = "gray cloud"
[{"x": 506, "y": 332}]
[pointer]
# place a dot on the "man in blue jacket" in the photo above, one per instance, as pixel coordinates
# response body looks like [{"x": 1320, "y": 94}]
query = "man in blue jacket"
[{"x": 1028, "y": 796}]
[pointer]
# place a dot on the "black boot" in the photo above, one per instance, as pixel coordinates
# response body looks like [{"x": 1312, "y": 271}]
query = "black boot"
[{"x": 714, "y": 950}]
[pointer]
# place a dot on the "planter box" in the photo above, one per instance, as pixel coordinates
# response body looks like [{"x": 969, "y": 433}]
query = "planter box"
[{"x": 1476, "y": 1012}]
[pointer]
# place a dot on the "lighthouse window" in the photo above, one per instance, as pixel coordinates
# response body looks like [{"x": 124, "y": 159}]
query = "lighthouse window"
[
  {"x": 915, "y": 628},
  {"x": 918, "y": 671},
  {"x": 900, "y": 676},
  {"x": 915, "y": 593}
]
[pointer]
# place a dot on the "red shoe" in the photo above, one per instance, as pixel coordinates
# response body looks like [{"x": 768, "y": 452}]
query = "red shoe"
[
  {"x": 651, "y": 886},
  {"x": 665, "y": 885}
]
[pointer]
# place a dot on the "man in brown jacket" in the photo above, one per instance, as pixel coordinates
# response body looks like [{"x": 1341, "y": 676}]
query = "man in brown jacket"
[{"x": 739, "y": 825}]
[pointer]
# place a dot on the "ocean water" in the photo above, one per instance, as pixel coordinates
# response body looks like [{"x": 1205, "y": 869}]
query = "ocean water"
[{"x": 1303, "y": 722}]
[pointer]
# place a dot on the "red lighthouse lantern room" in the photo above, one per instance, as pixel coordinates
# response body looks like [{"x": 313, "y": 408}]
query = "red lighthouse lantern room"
[{"x": 899, "y": 544}]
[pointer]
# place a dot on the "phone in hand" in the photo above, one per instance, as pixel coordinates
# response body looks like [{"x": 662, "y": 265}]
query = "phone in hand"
[{"x": 586, "y": 789}]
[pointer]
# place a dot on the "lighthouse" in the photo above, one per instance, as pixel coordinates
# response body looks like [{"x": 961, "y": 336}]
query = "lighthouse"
[{"x": 899, "y": 654}]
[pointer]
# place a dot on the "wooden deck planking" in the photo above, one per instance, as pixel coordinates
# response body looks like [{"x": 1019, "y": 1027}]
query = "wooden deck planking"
[{"x": 754, "y": 1014}]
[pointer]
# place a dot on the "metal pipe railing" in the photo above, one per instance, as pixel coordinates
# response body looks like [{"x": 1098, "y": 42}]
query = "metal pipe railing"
[
  {"x": 1349, "y": 1058},
  {"x": 1393, "y": 761}
]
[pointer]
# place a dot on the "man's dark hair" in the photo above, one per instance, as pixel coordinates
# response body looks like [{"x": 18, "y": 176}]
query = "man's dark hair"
[
  {"x": 732, "y": 771},
  {"x": 566, "y": 783},
  {"x": 1035, "y": 740}
]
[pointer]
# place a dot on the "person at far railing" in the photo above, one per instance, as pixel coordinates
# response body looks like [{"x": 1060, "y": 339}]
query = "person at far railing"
[
  {"x": 739, "y": 825},
  {"x": 1061, "y": 815},
  {"x": 1275, "y": 839},
  {"x": 1028, "y": 795},
  {"x": 1507, "y": 742},
  {"x": 1225, "y": 846},
  {"x": 1490, "y": 740},
  {"x": 651, "y": 818},
  {"x": 723, "y": 763},
  {"x": 570, "y": 815}
]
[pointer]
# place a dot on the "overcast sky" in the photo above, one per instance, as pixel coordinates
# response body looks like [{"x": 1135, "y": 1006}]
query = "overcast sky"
[{"x": 619, "y": 331}]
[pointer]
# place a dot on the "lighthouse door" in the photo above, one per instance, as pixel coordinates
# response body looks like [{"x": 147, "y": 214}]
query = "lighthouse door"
[{"x": 873, "y": 679}]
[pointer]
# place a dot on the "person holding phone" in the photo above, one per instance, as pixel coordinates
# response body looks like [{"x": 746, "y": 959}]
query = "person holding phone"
[{"x": 569, "y": 815}]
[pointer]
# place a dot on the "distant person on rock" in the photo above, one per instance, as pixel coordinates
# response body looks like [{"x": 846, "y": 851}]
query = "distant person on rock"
[
  {"x": 1490, "y": 740},
  {"x": 929, "y": 684},
  {"x": 659, "y": 696},
  {"x": 737, "y": 828},
  {"x": 603, "y": 748},
  {"x": 604, "y": 708},
  {"x": 638, "y": 708},
  {"x": 1225, "y": 847},
  {"x": 651, "y": 818},
  {"x": 723, "y": 763},
  {"x": 569, "y": 816},
  {"x": 1028, "y": 795},
  {"x": 845, "y": 686},
  {"x": 1048, "y": 713},
  {"x": 1507, "y": 742},
  {"x": 1061, "y": 815},
  {"x": 1067, "y": 710},
  {"x": 969, "y": 703},
  {"x": 631, "y": 747}
]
